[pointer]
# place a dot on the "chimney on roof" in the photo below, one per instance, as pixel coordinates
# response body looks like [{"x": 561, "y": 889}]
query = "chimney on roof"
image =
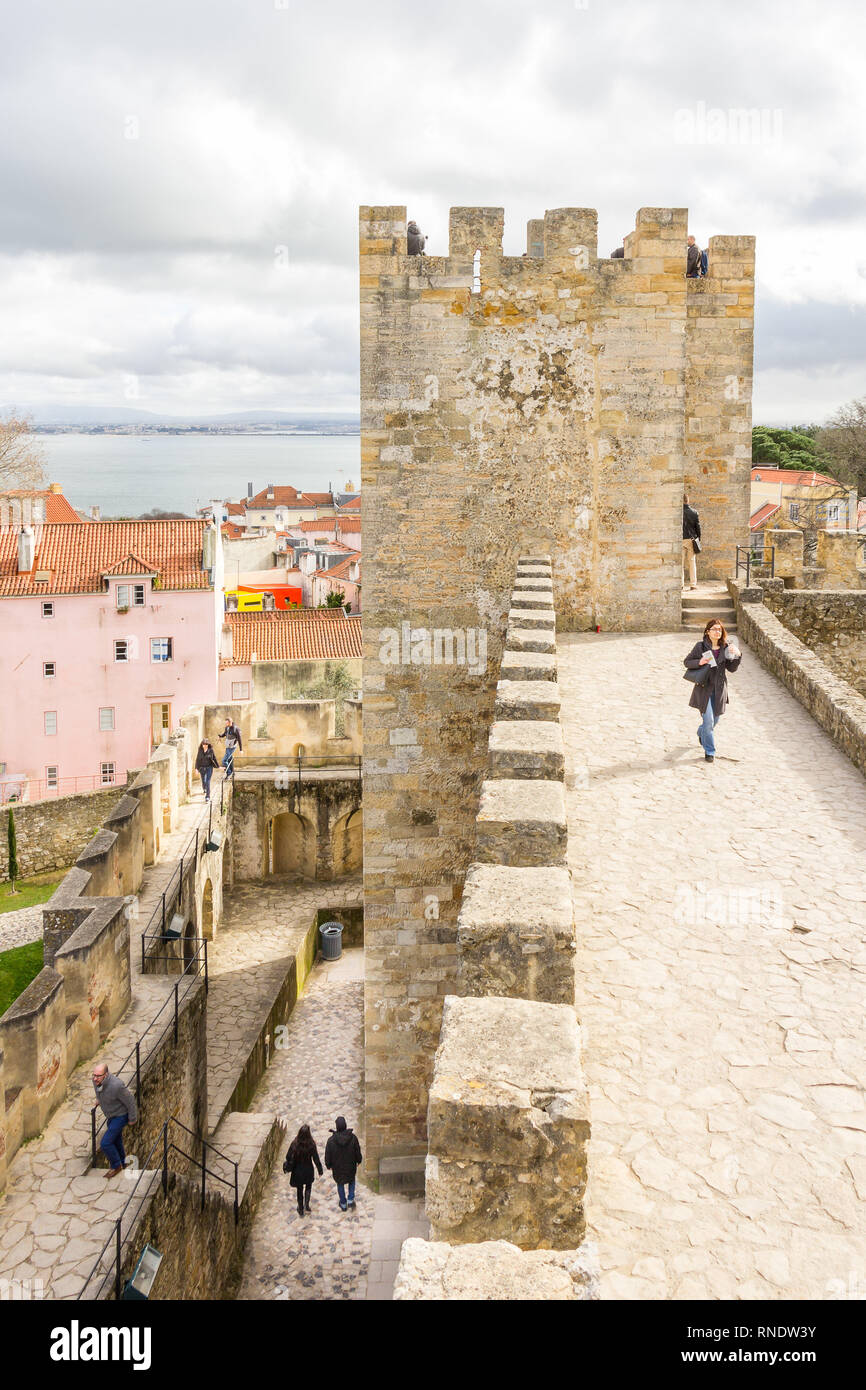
[
  {"x": 249, "y": 490},
  {"x": 55, "y": 487},
  {"x": 270, "y": 492},
  {"x": 208, "y": 547},
  {"x": 94, "y": 513},
  {"x": 26, "y": 550}
]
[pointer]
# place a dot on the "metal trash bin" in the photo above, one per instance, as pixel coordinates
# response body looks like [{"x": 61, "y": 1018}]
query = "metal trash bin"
[{"x": 332, "y": 940}]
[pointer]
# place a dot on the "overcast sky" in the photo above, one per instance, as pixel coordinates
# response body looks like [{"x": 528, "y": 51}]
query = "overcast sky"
[{"x": 180, "y": 178}]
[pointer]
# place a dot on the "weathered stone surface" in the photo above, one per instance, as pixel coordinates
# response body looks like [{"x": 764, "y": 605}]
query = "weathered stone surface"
[
  {"x": 495, "y": 1270},
  {"x": 527, "y": 748},
  {"x": 543, "y": 618},
  {"x": 532, "y": 666},
  {"x": 533, "y": 583},
  {"x": 527, "y": 639},
  {"x": 515, "y": 934},
  {"x": 508, "y": 1125},
  {"x": 521, "y": 821},
  {"x": 527, "y": 700},
  {"x": 531, "y": 598}
]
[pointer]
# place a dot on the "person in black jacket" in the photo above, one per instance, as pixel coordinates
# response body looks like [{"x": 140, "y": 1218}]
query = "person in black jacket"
[
  {"x": 205, "y": 762},
  {"x": 719, "y": 651},
  {"x": 299, "y": 1162},
  {"x": 691, "y": 533},
  {"x": 232, "y": 735},
  {"x": 342, "y": 1156}
]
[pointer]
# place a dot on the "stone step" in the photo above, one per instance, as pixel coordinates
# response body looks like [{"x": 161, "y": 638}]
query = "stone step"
[
  {"x": 532, "y": 598},
  {"x": 528, "y": 666},
  {"x": 532, "y": 617},
  {"x": 527, "y": 700},
  {"x": 527, "y": 639},
  {"x": 526, "y": 748}
]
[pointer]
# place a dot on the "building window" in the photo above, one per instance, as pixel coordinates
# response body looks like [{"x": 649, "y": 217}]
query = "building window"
[
  {"x": 794, "y": 511},
  {"x": 51, "y": 778},
  {"x": 48, "y": 610},
  {"x": 49, "y": 668},
  {"x": 833, "y": 511},
  {"x": 107, "y": 774},
  {"x": 106, "y": 719},
  {"x": 130, "y": 595},
  {"x": 160, "y": 649},
  {"x": 51, "y": 721},
  {"x": 240, "y": 690},
  {"x": 121, "y": 649}
]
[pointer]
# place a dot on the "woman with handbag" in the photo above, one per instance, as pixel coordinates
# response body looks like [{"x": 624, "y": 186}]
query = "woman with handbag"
[
  {"x": 299, "y": 1162},
  {"x": 691, "y": 542},
  {"x": 707, "y": 666}
]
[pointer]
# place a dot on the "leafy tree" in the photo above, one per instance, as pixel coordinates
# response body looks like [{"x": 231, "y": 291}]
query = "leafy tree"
[
  {"x": 336, "y": 600},
  {"x": 796, "y": 448},
  {"x": 12, "y": 843}
]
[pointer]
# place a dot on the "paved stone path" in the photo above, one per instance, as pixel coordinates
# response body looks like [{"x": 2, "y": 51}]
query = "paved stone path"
[
  {"x": 721, "y": 980},
  {"x": 20, "y": 927},
  {"x": 263, "y": 925},
  {"x": 329, "y": 1254},
  {"x": 57, "y": 1212}
]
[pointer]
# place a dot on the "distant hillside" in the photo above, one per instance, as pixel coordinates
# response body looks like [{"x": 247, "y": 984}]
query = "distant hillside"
[{"x": 103, "y": 417}]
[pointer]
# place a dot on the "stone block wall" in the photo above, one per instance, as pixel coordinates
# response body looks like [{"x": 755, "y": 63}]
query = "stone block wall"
[
  {"x": 50, "y": 833},
  {"x": 536, "y": 406},
  {"x": 832, "y": 623},
  {"x": 836, "y": 705}
]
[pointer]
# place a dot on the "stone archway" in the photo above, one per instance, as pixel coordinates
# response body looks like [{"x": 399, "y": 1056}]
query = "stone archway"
[
  {"x": 189, "y": 943},
  {"x": 347, "y": 839},
  {"x": 207, "y": 911},
  {"x": 291, "y": 845}
]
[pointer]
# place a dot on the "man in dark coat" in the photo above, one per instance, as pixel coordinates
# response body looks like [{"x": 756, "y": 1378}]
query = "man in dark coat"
[
  {"x": 232, "y": 735},
  {"x": 342, "y": 1156},
  {"x": 722, "y": 654},
  {"x": 693, "y": 260},
  {"x": 415, "y": 240},
  {"x": 691, "y": 533}
]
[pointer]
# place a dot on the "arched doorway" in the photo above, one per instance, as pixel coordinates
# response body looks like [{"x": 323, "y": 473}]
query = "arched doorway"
[
  {"x": 347, "y": 840},
  {"x": 188, "y": 944},
  {"x": 291, "y": 845},
  {"x": 207, "y": 911}
]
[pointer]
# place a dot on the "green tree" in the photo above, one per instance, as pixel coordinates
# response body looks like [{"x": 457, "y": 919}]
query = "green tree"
[
  {"x": 336, "y": 600},
  {"x": 12, "y": 844},
  {"x": 798, "y": 448}
]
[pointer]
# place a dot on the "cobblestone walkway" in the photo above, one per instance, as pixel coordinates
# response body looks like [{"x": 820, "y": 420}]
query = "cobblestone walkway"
[
  {"x": 19, "y": 928},
  {"x": 263, "y": 925},
  {"x": 57, "y": 1213},
  {"x": 721, "y": 980},
  {"x": 329, "y": 1254}
]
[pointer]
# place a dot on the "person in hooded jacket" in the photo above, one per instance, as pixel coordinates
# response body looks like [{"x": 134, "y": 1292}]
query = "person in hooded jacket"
[
  {"x": 717, "y": 650},
  {"x": 299, "y": 1161},
  {"x": 342, "y": 1156},
  {"x": 205, "y": 762}
]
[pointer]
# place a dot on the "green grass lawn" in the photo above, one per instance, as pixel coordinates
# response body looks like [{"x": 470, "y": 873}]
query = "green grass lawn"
[
  {"x": 30, "y": 891},
  {"x": 17, "y": 968}
]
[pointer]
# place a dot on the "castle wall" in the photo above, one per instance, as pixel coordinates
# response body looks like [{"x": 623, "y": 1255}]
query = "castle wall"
[{"x": 529, "y": 404}]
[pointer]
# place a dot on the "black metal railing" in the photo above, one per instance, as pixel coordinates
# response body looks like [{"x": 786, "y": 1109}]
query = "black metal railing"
[
  {"x": 754, "y": 559},
  {"x": 109, "y": 1261},
  {"x": 155, "y": 927},
  {"x": 131, "y": 1067}
]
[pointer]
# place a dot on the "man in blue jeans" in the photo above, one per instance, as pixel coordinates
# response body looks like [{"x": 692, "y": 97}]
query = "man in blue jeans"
[
  {"x": 342, "y": 1156},
  {"x": 233, "y": 741},
  {"x": 119, "y": 1108}
]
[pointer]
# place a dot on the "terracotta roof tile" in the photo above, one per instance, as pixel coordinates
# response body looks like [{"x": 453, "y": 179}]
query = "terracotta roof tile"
[
  {"x": 760, "y": 516},
  {"x": 58, "y": 508},
  {"x": 78, "y": 556},
  {"x": 792, "y": 476},
  {"x": 305, "y": 634}
]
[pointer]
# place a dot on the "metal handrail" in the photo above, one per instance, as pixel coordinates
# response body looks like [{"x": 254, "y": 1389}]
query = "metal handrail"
[
  {"x": 168, "y": 1146},
  {"x": 199, "y": 961},
  {"x": 752, "y": 560},
  {"x": 172, "y": 889}
]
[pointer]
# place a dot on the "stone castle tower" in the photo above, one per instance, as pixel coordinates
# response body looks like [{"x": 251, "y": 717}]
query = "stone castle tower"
[{"x": 552, "y": 402}]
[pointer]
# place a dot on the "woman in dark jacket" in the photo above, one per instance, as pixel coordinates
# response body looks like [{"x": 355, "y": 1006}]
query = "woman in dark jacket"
[
  {"x": 342, "y": 1156},
  {"x": 299, "y": 1162},
  {"x": 715, "y": 649},
  {"x": 205, "y": 762}
]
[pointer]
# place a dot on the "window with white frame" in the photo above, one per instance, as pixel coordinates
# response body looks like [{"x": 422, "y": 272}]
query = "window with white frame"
[
  {"x": 51, "y": 721},
  {"x": 121, "y": 649},
  {"x": 48, "y": 610},
  {"x": 131, "y": 595},
  {"x": 49, "y": 668},
  {"x": 160, "y": 649},
  {"x": 106, "y": 772},
  {"x": 240, "y": 690},
  {"x": 51, "y": 778},
  {"x": 106, "y": 719},
  {"x": 833, "y": 511}
]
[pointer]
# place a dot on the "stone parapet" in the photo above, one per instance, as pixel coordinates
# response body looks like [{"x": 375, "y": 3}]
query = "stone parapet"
[
  {"x": 527, "y": 700},
  {"x": 527, "y": 748},
  {"x": 495, "y": 1271},
  {"x": 521, "y": 821},
  {"x": 515, "y": 934},
  {"x": 508, "y": 1125}
]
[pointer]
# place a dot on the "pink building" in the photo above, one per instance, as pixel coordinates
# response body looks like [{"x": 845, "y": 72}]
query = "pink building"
[
  {"x": 109, "y": 631},
  {"x": 343, "y": 578}
]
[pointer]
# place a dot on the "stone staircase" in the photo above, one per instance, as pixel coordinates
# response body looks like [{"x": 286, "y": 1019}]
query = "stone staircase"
[{"x": 710, "y": 600}]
